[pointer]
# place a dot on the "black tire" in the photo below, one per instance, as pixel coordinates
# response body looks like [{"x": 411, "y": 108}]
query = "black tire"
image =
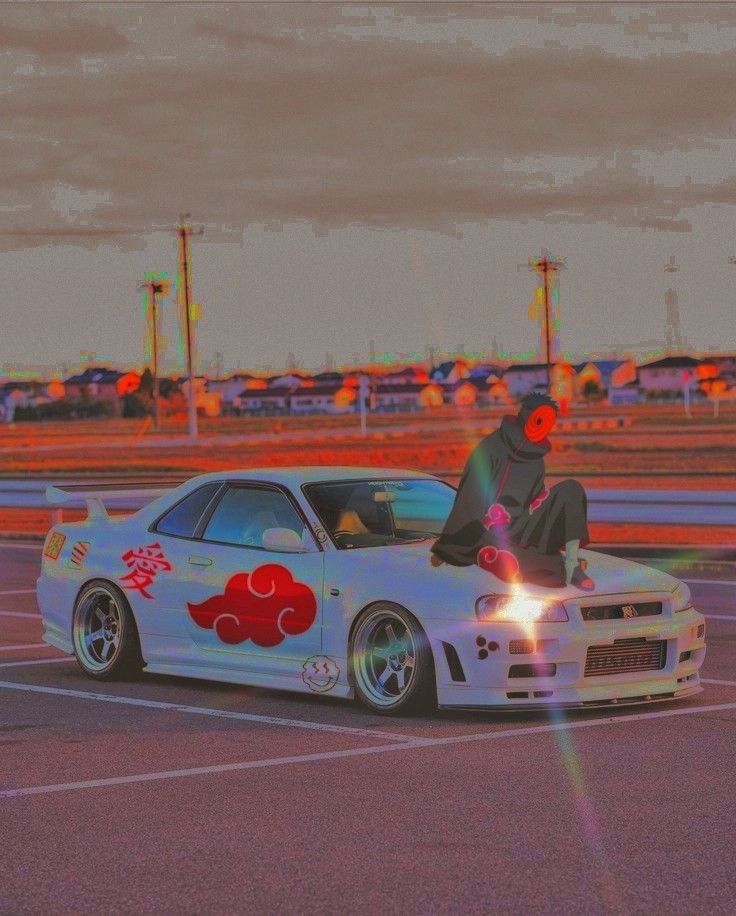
[
  {"x": 104, "y": 634},
  {"x": 386, "y": 640}
]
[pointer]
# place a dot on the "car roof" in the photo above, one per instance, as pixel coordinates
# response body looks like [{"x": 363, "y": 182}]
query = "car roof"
[{"x": 297, "y": 476}]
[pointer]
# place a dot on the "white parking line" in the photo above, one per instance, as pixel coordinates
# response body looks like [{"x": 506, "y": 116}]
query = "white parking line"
[
  {"x": 37, "y": 661},
  {"x": 19, "y": 614},
  {"x": 711, "y": 680},
  {"x": 409, "y": 744},
  {"x": 18, "y": 591},
  {"x": 719, "y": 616},
  {"x": 207, "y": 711},
  {"x": 25, "y": 645}
]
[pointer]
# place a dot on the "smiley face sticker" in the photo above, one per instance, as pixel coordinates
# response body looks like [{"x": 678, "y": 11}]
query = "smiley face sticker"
[{"x": 320, "y": 673}]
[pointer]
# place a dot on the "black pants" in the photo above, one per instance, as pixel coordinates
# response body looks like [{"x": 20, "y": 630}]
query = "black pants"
[
  {"x": 561, "y": 517},
  {"x": 536, "y": 537}
]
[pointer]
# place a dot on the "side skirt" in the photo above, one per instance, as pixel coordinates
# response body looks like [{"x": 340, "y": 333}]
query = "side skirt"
[{"x": 247, "y": 679}]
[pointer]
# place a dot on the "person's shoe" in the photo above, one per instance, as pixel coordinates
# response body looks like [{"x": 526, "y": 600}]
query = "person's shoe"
[
  {"x": 580, "y": 579},
  {"x": 435, "y": 560}
]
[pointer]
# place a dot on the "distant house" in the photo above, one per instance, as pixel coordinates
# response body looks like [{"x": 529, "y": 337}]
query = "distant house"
[
  {"x": 668, "y": 375},
  {"x": 314, "y": 399},
  {"x": 94, "y": 384},
  {"x": 523, "y": 378},
  {"x": 409, "y": 375},
  {"x": 229, "y": 388},
  {"x": 630, "y": 393},
  {"x": 602, "y": 371},
  {"x": 398, "y": 396},
  {"x": 290, "y": 380},
  {"x": 448, "y": 373},
  {"x": 328, "y": 378},
  {"x": 262, "y": 401},
  {"x": 22, "y": 393}
]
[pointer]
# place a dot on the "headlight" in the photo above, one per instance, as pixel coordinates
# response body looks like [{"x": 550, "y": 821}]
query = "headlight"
[
  {"x": 681, "y": 600},
  {"x": 520, "y": 608}
]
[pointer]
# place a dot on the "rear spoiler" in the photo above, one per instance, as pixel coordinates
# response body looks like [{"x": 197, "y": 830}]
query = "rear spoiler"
[{"x": 95, "y": 497}]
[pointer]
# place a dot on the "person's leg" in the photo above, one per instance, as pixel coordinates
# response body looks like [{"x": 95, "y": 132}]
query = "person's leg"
[{"x": 560, "y": 521}]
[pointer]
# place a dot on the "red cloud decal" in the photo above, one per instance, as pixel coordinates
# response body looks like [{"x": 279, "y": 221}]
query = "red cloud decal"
[{"x": 265, "y": 606}]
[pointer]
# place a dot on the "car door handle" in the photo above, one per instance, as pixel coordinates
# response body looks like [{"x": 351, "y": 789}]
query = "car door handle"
[{"x": 200, "y": 561}]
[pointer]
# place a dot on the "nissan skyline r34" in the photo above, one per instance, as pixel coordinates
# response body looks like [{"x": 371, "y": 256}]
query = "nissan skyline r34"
[{"x": 319, "y": 580}]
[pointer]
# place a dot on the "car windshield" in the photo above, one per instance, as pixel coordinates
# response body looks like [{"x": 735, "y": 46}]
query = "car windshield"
[{"x": 381, "y": 512}]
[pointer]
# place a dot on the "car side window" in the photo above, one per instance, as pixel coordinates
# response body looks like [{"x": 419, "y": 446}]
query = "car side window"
[
  {"x": 182, "y": 520},
  {"x": 244, "y": 515}
]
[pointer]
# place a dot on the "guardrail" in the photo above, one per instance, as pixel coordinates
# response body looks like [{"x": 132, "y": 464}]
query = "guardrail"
[{"x": 663, "y": 507}]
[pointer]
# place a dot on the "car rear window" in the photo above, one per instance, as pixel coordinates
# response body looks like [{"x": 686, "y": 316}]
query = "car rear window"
[{"x": 183, "y": 518}]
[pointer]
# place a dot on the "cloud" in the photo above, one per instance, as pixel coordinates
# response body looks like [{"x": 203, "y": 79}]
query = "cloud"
[
  {"x": 271, "y": 115},
  {"x": 265, "y": 606},
  {"x": 71, "y": 38}
]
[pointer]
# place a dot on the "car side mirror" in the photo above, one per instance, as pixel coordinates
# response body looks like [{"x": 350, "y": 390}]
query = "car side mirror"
[{"x": 285, "y": 539}]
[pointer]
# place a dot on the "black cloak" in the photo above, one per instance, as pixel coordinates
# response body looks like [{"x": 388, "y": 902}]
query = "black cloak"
[{"x": 506, "y": 470}]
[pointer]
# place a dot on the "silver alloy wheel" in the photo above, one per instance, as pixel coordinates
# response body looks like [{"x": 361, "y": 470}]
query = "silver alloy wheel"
[
  {"x": 98, "y": 629},
  {"x": 384, "y": 657}
]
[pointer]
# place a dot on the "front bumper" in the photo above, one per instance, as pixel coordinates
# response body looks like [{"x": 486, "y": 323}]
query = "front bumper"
[{"x": 475, "y": 663}]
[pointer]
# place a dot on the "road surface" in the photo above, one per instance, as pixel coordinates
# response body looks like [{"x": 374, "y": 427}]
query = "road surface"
[{"x": 121, "y": 800}]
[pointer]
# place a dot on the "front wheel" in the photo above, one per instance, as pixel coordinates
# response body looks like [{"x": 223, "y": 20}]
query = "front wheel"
[
  {"x": 392, "y": 662},
  {"x": 104, "y": 634}
]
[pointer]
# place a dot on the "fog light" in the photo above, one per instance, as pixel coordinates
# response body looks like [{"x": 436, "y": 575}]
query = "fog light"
[{"x": 701, "y": 631}]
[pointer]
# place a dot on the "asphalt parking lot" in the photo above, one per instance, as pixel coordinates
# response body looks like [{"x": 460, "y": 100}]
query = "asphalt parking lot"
[{"x": 174, "y": 796}]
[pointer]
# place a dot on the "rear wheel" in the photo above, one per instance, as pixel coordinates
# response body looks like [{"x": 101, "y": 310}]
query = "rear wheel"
[
  {"x": 104, "y": 633},
  {"x": 392, "y": 662}
]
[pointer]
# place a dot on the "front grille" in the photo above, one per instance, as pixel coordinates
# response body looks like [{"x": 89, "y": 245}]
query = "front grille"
[
  {"x": 624, "y": 656},
  {"x": 624, "y": 611}
]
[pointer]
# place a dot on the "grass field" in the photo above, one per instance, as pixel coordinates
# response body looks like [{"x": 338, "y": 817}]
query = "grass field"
[{"x": 657, "y": 448}]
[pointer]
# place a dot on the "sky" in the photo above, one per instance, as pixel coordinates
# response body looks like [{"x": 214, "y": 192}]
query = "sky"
[{"x": 364, "y": 173}]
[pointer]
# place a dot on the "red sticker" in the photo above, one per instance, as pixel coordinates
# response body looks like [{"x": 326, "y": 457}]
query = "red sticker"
[
  {"x": 502, "y": 563},
  {"x": 144, "y": 564},
  {"x": 496, "y": 515},
  {"x": 265, "y": 606},
  {"x": 536, "y": 503}
]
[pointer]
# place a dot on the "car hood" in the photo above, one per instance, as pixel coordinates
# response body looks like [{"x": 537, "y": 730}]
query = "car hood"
[{"x": 612, "y": 575}]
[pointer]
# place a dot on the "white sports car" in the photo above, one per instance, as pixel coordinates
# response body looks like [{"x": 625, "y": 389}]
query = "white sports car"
[{"x": 319, "y": 580}]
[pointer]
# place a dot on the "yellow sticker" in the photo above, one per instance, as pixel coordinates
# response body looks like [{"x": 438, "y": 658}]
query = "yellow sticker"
[{"x": 53, "y": 548}]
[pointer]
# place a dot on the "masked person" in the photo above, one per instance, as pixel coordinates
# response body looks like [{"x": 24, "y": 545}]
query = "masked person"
[{"x": 505, "y": 519}]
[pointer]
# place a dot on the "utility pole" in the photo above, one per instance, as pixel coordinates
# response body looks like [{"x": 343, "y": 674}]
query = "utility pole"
[
  {"x": 545, "y": 265},
  {"x": 155, "y": 287},
  {"x": 185, "y": 232}
]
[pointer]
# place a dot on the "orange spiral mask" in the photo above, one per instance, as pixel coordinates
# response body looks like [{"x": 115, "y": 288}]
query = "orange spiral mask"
[{"x": 540, "y": 423}]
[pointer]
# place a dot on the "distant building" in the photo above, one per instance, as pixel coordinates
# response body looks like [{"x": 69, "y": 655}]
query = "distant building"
[
  {"x": 94, "y": 384},
  {"x": 668, "y": 375},
  {"x": 229, "y": 388},
  {"x": 398, "y": 396},
  {"x": 262, "y": 401},
  {"x": 630, "y": 393},
  {"x": 450, "y": 372},
  {"x": 523, "y": 378},
  {"x": 314, "y": 399}
]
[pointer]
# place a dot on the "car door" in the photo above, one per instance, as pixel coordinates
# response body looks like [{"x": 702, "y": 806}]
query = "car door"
[{"x": 253, "y": 592}]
